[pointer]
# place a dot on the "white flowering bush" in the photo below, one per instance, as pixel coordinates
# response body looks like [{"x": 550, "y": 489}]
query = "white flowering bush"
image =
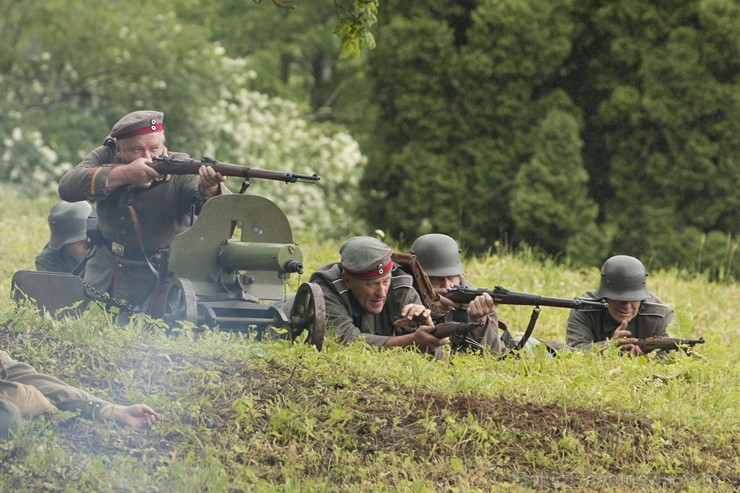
[
  {"x": 27, "y": 162},
  {"x": 250, "y": 128},
  {"x": 62, "y": 93}
]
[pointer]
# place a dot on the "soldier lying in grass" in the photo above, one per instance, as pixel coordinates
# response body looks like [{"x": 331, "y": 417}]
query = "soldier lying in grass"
[{"x": 26, "y": 392}]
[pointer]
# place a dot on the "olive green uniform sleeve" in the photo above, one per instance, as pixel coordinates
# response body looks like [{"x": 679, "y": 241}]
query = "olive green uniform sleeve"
[
  {"x": 35, "y": 393},
  {"x": 87, "y": 180},
  {"x": 579, "y": 331},
  {"x": 658, "y": 317}
]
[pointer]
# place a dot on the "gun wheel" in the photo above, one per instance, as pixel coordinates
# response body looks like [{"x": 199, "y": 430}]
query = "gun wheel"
[
  {"x": 308, "y": 316},
  {"x": 180, "y": 302}
]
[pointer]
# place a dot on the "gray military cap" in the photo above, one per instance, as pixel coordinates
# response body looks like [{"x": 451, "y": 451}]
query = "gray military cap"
[
  {"x": 366, "y": 257},
  {"x": 137, "y": 123},
  {"x": 10, "y": 418},
  {"x": 68, "y": 223}
]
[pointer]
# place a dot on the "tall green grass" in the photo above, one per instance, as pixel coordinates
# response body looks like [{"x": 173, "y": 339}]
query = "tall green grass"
[{"x": 242, "y": 415}]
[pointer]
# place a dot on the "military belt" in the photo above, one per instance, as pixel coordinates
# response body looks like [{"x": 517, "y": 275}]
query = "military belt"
[{"x": 125, "y": 252}]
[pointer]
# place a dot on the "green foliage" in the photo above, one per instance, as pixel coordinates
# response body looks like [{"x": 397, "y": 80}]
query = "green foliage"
[
  {"x": 652, "y": 86},
  {"x": 354, "y": 28},
  {"x": 413, "y": 67},
  {"x": 447, "y": 109},
  {"x": 549, "y": 203},
  {"x": 64, "y": 92},
  {"x": 72, "y": 69},
  {"x": 250, "y": 128}
]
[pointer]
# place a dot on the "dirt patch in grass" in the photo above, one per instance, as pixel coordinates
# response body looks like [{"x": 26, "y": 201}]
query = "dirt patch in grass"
[{"x": 496, "y": 439}]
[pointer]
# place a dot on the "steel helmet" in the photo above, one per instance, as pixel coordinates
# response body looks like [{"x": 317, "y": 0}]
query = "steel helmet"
[
  {"x": 623, "y": 279},
  {"x": 438, "y": 255},
  {"x": 68, "y": 223}
]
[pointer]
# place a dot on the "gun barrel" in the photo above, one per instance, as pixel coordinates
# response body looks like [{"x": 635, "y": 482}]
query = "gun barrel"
[
  {"x": 177, "y": 166},
  {"x": 502, "y": 296}
]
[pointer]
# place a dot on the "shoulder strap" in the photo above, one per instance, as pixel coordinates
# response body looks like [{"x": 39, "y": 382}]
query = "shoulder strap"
[{"x": 409, "y": 264}]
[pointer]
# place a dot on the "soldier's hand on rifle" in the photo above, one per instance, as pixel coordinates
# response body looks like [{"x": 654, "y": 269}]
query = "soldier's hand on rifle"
[
  {"x": 481, "y": 307},
  {"x": 209, "y": 181},
  {"x": 622, "y": 337},
  {"x": 443, "y": 306},
  {"x": 416, "y": 312},
  {"x": 138, "y": 173},
  {"x": 427, "y": 342},
  {"x": 416, "y": 316}
]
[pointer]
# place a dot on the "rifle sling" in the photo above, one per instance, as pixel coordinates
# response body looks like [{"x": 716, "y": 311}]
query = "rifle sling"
[
  {"x": 137, "y": 230},
  {"x": 530, "y": 328}
]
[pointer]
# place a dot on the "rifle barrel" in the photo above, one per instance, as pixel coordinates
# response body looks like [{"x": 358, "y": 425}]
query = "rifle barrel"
[
  {"x": 502, "y": 296},
  {"x": 177, "y": 166}
]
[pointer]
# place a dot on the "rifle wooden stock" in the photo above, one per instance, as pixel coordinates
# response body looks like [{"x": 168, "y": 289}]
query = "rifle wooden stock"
[
  {"x": 175, "y": 166},
  {"x": 502, "y": 296},
  {"x": 650, "y": 344},
  {"x": 449, "y": 329},
  {"x": 442, "y": 330},
  {"x": 409, "y": 264}
]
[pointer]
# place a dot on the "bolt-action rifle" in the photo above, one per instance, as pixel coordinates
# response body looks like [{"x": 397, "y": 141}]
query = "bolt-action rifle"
[
  {"x": 650, "y": 344},
  {"x": 503, "y": 296},
  {"x": 167, "y": 165},
  {"x": 458, "y": 332}
]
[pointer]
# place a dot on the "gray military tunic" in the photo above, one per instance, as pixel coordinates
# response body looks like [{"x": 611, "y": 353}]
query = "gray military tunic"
[
  {"x": 163, "y": 211},
  {"x": 349, "y": 320},
  {"x": 50, "y": 260},
  {"x": 585, "y": 328}
]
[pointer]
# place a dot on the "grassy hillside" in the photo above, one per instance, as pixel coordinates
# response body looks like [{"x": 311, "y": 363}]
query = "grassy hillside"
[{"x": 237, "y": 414}]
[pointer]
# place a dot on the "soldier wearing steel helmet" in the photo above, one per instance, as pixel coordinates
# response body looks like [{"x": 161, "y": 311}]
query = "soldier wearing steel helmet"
[
  {"x": 633, "y": 312},
  {"x": 365, "y": 294},
  {"x": 68, "y": 243},
  {"x": 139, "y": 211},
  {"x": 439, "y": 256}
]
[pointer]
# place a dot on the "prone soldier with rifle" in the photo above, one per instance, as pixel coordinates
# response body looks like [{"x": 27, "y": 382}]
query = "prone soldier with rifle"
[
  {"x": 633, "y": 319},
  {"x": 368, "y": 297},
  {"x": 436, "y": 266},
  {"x": 452, "y": 299}
]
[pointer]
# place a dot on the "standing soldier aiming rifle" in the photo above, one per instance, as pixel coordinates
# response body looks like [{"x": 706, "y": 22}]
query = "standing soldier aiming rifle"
[{"x": 139, "y": 210}]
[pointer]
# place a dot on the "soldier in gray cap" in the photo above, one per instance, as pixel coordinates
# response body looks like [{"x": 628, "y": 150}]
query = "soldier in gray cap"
[
  {"x": 139, "y": 211},
  {"x": 439, "y": 256},
  {"x": 633, "y": 313},
  {"x": 365, "y": 294},
  {"x": 25, "y": 392},
  {"x": 68, "y": 243}
]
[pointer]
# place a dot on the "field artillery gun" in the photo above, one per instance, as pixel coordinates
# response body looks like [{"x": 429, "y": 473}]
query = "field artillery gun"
[{"x": 208, "y": 277}]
